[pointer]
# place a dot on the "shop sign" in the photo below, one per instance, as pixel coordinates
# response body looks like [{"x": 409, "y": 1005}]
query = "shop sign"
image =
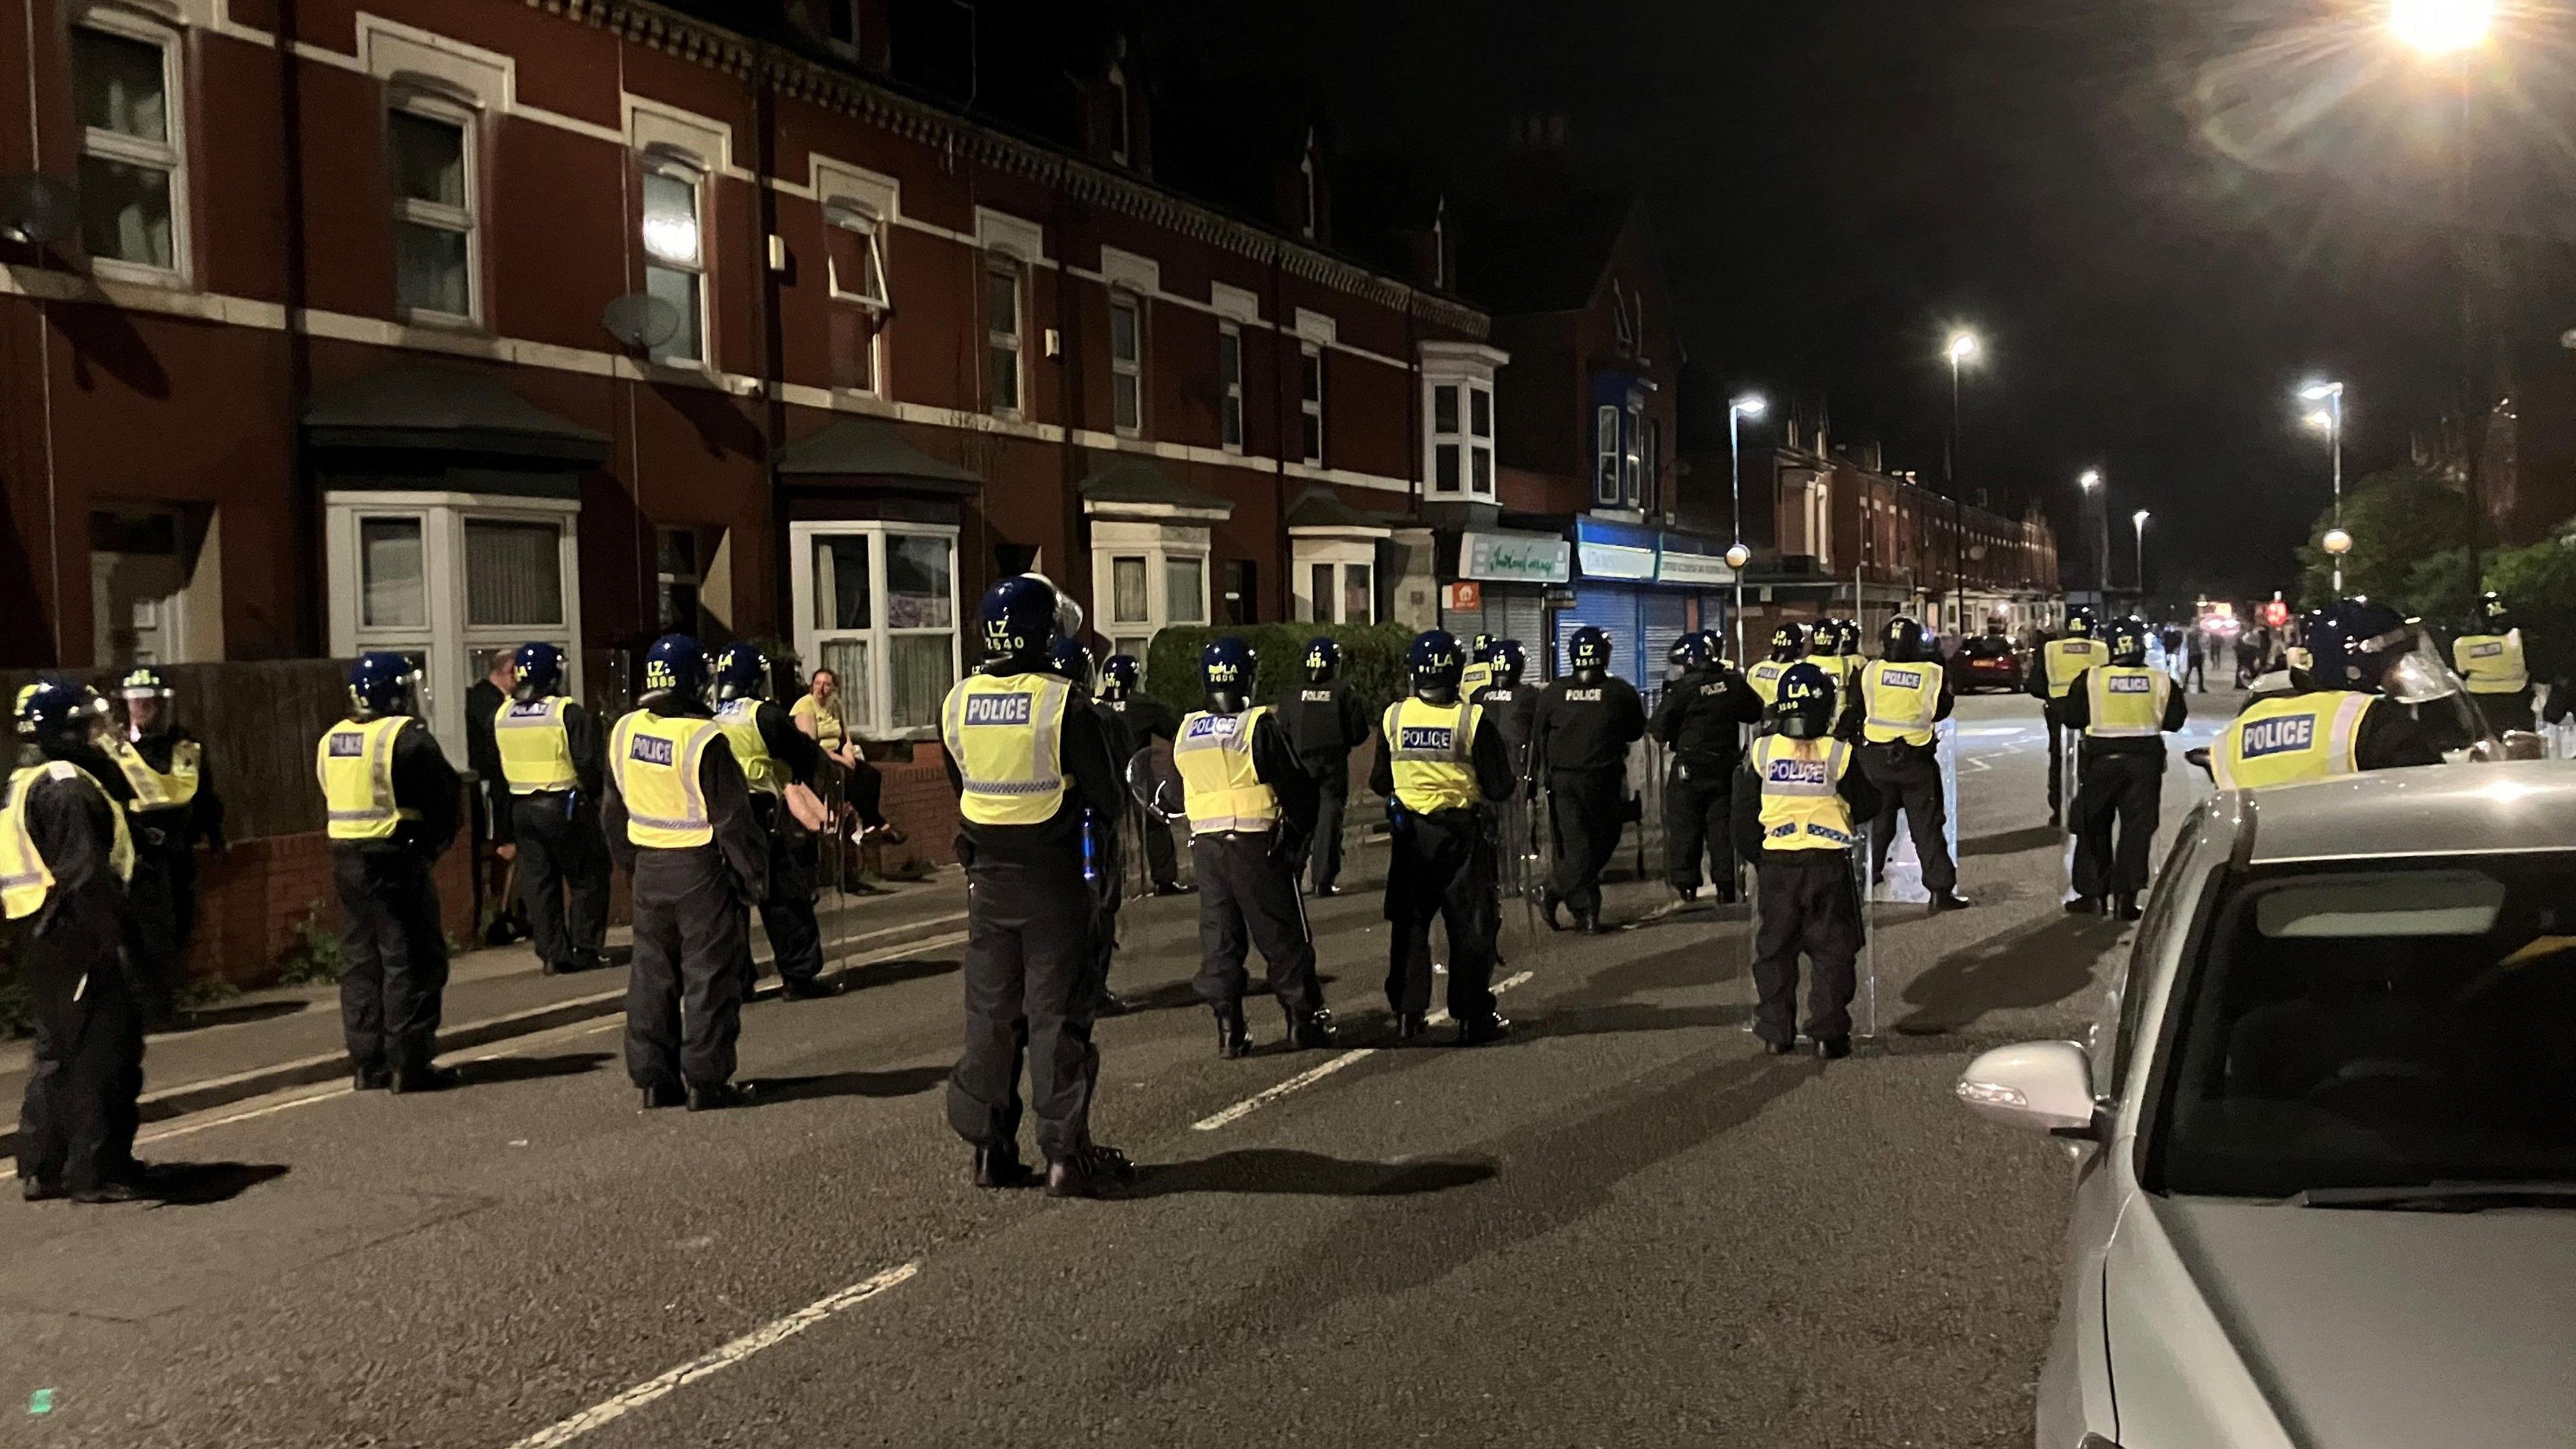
[
  {"x": 1513, "y": 558},
  {"x": 1693, "y": 568}
]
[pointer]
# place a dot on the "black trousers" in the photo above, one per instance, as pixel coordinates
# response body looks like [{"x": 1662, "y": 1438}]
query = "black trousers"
[
  {"x": 1162, "y": 862},
  {"x": 76, "y": 1125},
  {"x": 1585, "y": 806},
  {"x": 2506, "y": 711},
  {"x": 393, "y": 958},
  {"x": 684, "y": 994},
  {"x": 154, "y": 959},
  {"x": 2056, "y": 760},
  {"x": 1908, "y": 778},
  {"x": 1699, "y": 798},
  {"x": 1808, "y": 903},
  {"x": 1442, "y": 868},
  {"x": 1332, "y": 803},
  {"x": 1030, "y": 993},
  {"x": 2123, "y": 790},
  {"x": 787, "y": 911},
  {"x": 1247, "y": 899},
  {"x": 562, "y": 853}
]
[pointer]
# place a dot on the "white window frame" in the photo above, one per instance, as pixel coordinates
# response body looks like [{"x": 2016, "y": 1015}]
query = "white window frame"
[
  {"x": 1632, "y": 424},
  {"x": 1129, "y": 371},
  {"x": 1015, "y": 341},
  {"x": 1229, "y": 430},
  {"x": 1310, "y": 364},
  {"x": 876, "y": 300},
  {"x": 445, "y": 640},
  {"x": 1605, "y": 455},
  {"x": 169, "y": 156},
  {"x": 1160, "y": 545},
  {"x": 1341, "y": 552},
  {"x": 1469, "y": 368},
  {"x": 1121, "y": 140},
  {"x": 699, "y": 176},
  {"x": 465, "y": 219},
  {"x": 876, "y": 692}
]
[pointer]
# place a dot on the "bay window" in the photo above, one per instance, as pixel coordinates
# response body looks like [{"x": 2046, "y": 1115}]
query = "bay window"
[
  {"x": 1458, "y": 379},
  {"x": 877, "y": 604},
  {"x": 1154, "y": 575}
]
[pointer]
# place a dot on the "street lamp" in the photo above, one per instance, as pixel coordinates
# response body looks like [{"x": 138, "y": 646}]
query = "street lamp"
[
  {"x": 2140, "y": 519},
  {"x": 2091, "y": 483},
  {"x": 1750, "y": 405},
  {"x": 2331, "y": 394},
  {"x": 2441, "y": 27},
  {"x": 2446, "y": 31},
  {"x": 1961, "y": 350}
]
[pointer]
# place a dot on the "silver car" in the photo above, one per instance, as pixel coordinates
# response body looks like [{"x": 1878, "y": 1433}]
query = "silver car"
[{"x": 2326, "y": 1128}]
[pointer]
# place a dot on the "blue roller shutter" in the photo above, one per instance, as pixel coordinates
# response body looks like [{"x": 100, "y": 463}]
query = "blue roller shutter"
[{"x": 1612, "y": 609}]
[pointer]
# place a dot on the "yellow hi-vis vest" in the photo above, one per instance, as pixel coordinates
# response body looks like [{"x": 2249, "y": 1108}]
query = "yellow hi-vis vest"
[
  {"x": 656, "y": 759},
  {"x": 536, "y": 753},
  {"x": 2289, "y": 740},
  {"x": 1765, "y": 679},
  {"x": 355, "y": 762},
  {"x": 2067, "y": 658},
  {"x": 154, "y": 790},
  {"x": 1474, "y": 677},
  {"x": 25, "y": 879},
  {"x": 1431, "y": 752},
  {"x": 2126, "y": 702},
  {"x": 1802, "y": 804},
  {"x": 1006, "y": 732},
  {"x": 1837, "y": 667},
  {"x": 1901, "y": 700},
  {"x": 740, "y": 719},
  {"x": 2491, "y": 663},
  {"x": 1222, "y": 790}
]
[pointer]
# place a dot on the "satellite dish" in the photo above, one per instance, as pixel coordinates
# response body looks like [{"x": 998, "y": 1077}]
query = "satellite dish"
[
  {"x": 641, "y": 321},
  {"x": 36, "y": 209}
]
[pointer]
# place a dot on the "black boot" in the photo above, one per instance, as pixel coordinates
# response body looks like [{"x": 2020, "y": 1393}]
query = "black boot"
[
  {"x": 716, "y": 1096},
  {"x": 1547, "y": 904},
  {"x": 1478, "y": 1030},
  {"x": 1000, "y": 1167},
  {"x": 1313, "y": 1032},
  {"x": 1411, "y": 1024},
  {"x": 424, "y": 1079},
  {"x": 1833, "y": 1048},
  {"x": 2084, "y": 906},
  {"x": 36, "y": 1189},
  {"x": 807, "y": 988},
  {"x": 1777, "y": 1048},
  {"x": 1588, "y": 922},
  {"x": 106, "y": 1192},
  {"x": 2129, "y": 908},
  {"x": 1111, "y": 1004},
  {"x": 371, "y": 1079},
  {"x": 1093, "y": 1171},
  {"x": 1949, "y": 901},
  {"x": 663, "y": 1094},
  {"x": 1233, "y": 1038}
]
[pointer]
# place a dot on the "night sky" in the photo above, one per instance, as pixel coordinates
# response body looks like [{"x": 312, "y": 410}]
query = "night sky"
[{"x": 2160, "y": 217}]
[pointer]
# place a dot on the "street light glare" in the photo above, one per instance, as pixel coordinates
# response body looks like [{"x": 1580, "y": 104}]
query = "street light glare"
[
  {"x": 1963, "y": 345},
  {"x": 2092, "y": 478},
  {"x": 2319, "y": 419},
  {"x": 2441, "y": 27},
  {"x": 2320, "y": 391},
  {"x": 2140, "y": 517},
  {"x": 1750, "y": 405}
]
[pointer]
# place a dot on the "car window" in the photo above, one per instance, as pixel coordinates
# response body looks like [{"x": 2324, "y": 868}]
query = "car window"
[
  {"x": 2405, "y": 1022},
  {"x": 2175, "y": 883}
]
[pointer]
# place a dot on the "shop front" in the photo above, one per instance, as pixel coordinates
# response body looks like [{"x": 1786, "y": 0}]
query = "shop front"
[{"x": 1502, "y": 579}]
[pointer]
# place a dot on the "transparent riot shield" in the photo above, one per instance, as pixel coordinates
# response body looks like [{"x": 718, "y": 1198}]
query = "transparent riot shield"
[
  {"x": 1902, "y": 881},
  {"x": 2067, "y": 777},
  {"x": 1866, "y": 1027}
]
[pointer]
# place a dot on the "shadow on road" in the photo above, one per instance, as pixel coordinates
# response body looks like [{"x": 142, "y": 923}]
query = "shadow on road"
[
  {"x": 1627, "y": 1016},
  {"x": 891, "y": 973},
  {"x": 1280, "y": 1170},
  {"x": 2032, "y": 965},
  {"x": 201, "y": 1184},
  {"x": 2013, "y": 842},
  {"x": 206, "y": 1016},
  {"x": 901, "y": 1082},
  {"x": 530, "y": 1069}
]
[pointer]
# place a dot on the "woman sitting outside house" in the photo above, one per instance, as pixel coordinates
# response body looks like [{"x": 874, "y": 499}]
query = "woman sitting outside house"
[{"x": 818, "y": 713}]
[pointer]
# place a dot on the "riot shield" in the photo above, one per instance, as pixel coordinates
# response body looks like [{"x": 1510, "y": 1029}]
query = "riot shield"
[
  {"x": 1902, "y": 881},
  {"x": 1867, "y": 1029}
]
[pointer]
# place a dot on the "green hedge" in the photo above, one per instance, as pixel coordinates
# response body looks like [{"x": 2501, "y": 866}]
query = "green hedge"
[{"x": 1372, "y": 661}]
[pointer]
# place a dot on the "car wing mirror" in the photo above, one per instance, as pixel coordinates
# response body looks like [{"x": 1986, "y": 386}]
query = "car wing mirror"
[
  {"x": 2199, "y": 755},
  {"x": 2037, "y": 1086}
]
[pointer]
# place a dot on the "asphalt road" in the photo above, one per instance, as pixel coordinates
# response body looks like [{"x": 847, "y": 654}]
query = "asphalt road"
[{"x": 1622, "y": 1227}]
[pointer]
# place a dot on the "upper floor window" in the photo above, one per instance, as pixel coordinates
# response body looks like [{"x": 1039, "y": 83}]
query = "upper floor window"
[
  {"x": 1650, "y": 453},
  {"x": 1605, "y": 455},
  {"x": 1121, "y": 135},
  {"x": 1310, "y": 401},
  {"x": 1127, "y": 364},
  {"x": 133, "y": 173},
  {"x": 433, "y": 174},
  {"x": 675, "y": 256},
  {"x": 1629, "y": 461},
  {"x": 1462, "y": 439},
  {"x": 854, "y": 251},
  {"x": 1229, "y": 377},
  {"x": 841, "y": 21},
  {"x": 1002, "y": 333}
]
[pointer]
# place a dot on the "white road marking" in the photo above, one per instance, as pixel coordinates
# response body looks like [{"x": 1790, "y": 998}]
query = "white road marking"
[
  {"x": 768, "y": 1335},
  {"x": 1312, "y": 1075}
]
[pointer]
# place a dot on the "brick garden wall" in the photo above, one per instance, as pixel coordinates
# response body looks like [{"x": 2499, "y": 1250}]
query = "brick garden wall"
[{"x": 250, "y": 902}]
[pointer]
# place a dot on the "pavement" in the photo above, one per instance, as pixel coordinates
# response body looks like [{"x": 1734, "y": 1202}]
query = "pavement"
[{"x": 1622, "y": 1226}]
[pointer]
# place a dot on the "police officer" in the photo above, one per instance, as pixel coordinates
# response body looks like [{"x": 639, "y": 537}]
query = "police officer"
[
  {"x": 2052, "y": 673},
  {"x": 680, "y": 824},
  {"x": 1825, "y": 651},
  {"x": 1701, "y": 721},
  {"x": 1249, "y": 800},
  {"x": 1579, "y": 738},
  {"x": 174, "y": 805},
  {"x": 1148, "y": 719},
  {"x": 1479, "y": 672},
  {"x": 549, "y": 750},
  {"x": 1325, "y": 720},
  {"x": 393, "y": 806},
  {"x": 1788, "y": 644},
  {"x": 2125, "y": 710},
  {"x": 2490, "y": 660},
  {"x": 66, "y": 854},
  {"x": 2346, "y": 719},
  {"x": 1441, "y": 764},
  {"x": 1070, "y": 660},
  {"x": 1794, "y": 808},
  {"x": 1028, "y": 766},
  {"x": 1894, "y": 702},
  {"x": 778, "y": 762}
]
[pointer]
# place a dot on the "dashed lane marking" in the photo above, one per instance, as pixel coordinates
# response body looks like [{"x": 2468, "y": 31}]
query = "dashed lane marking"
[
  {"x": 768, "y": 1335},
  {"x": 1312, "y": 1075}
]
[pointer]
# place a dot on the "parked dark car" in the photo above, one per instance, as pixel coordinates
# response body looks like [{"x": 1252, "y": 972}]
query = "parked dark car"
[{"x": 1988, "y": 661}]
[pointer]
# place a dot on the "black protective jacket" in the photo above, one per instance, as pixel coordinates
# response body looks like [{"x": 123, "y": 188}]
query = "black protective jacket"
[{"x": 1702, "y": 715}]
